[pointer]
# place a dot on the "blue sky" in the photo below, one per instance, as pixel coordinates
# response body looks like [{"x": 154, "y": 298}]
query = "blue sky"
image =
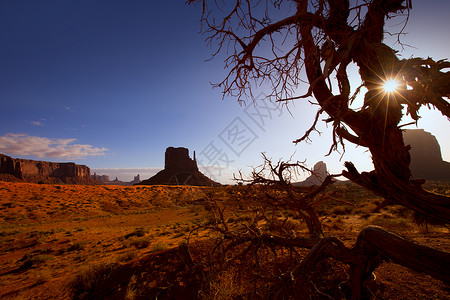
[{"x": 112, "y": 84}]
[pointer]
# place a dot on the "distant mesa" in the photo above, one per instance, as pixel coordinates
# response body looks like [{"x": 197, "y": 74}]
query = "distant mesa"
[
  {"x": 426, "y": 157},
  {"x": 104, "y": 179},
  {"x": 136, "y": 180},
  {"x": 100, "y": 178},
  {"x": 317, "y": 177},
  {"x": 26, "y": 170},
  {"x": 179, "y": 169}
]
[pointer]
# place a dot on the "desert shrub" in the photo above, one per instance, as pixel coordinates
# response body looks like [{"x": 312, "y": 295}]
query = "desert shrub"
[
  {"x": 365, "y": 209},
  {"x": 111, "y": 207},
  {"x": 391, "y": 222},
  {"x": 400, "y": 211},
  {"x": 139, "y": 232},
  {"x": 280, "y": 225},
  {"x": 43, "y": 277},
  {"x": 76, "y": 246},
  {"x": 140, "y": 243},
  {"x": 159, "y": 247},
  {"x": 90, "y": 277},
  {"x": 336, "y": 224},
  {"x": 342, "y": 210},
  {"x": 127, "y": 256},
  {"x": 32, "y": 260}
]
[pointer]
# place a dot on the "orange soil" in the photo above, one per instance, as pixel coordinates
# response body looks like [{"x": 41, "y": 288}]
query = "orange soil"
[{"x": 51, "y": 219}]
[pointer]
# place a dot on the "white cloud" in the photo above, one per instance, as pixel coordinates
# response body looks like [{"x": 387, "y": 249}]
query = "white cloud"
[
  {"x": 22, "y": 144},
  {"x": 37, "y": 123}
]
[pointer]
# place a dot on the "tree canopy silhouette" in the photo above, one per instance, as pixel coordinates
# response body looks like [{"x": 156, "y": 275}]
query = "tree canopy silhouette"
[{"x": 289, "y": 42}]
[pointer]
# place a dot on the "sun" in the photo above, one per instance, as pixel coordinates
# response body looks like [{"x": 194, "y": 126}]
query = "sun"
[{"x": 390, "y": 85}]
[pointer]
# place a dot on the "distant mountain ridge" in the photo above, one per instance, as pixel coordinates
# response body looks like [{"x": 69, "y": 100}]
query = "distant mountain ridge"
[{"x": 104, "y": 179}]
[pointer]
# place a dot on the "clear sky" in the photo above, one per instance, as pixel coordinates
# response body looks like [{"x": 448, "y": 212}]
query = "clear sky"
[{"x": 112, "y": 84}]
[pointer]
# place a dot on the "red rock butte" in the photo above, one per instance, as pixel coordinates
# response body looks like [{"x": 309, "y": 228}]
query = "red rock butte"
[
  {"x": 15, "y": 169},
  {"x": 179, "y": 169}
]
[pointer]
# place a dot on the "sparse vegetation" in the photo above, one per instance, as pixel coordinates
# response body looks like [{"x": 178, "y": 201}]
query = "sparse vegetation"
[
  {"x": 341, "y": 210},
  {"x": 391, "y": 222},
  {"x": 125, "y": 257},
  {"x": 138, "y": 232},
  {"x": 160, "y": 246},
  {"x": 43, "y": 277},
  {"x": 140, "y": 243},
  {"x": 77, "y": 246},
  {"x": 106, "y": 243},
  {"x": 32, "y": 260}
]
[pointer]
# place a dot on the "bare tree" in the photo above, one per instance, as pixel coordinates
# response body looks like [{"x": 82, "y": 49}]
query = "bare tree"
[
  {"x": 270, "y": 192},
  {"x": 315, "y": 42},
  {"x": 285, "y": 43}
]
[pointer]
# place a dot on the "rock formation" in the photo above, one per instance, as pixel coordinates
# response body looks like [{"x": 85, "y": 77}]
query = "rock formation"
[
  {"x": 44, "y": 172},
  {"x": 101, "y": 178},
  {"x": 136, "y": 180},
  {"x": 178, "y": 160},
  {"x": 426, "y": 158},
  {"x": 179, "y": 169},
  {"x": 104, "y": 179},
  {"x": 317, "y": 177}
]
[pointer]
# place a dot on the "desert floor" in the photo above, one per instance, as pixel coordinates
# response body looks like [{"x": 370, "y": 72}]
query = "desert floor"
[{"x": 50, "y": 234}]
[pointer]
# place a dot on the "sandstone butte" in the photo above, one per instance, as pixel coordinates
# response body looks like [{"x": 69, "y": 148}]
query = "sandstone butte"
[
  {"x": 426, "y": 157},
  {"x": 179, "y": 169}
]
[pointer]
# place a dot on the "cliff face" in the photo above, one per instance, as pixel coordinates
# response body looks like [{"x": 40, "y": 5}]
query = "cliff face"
[
  {"x": 8, "y": 165},
  {"x": 426, "y": 158},
  {"x": 177, "y": 159},
  {"x": 43, "y": 171},
  {"x": 179, "y": 169}
]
